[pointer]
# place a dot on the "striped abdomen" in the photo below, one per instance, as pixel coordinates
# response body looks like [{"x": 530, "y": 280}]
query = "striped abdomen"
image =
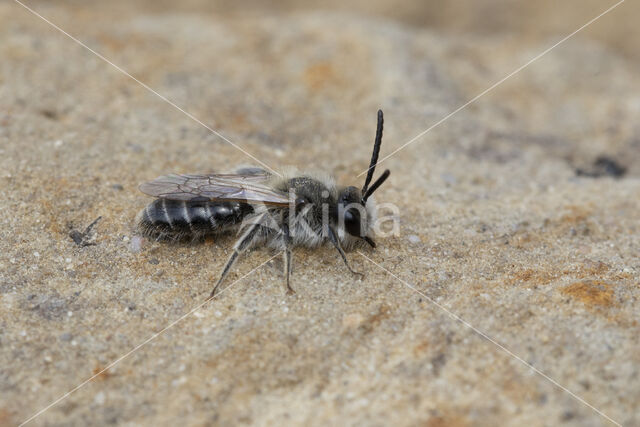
[{"x": 176, "y": 219}]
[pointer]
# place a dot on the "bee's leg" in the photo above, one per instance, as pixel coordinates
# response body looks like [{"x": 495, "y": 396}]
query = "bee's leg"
[
  {"x": 241, "y": 245},
  {"x": 336, "y": 243},
  {"x": 225, "y": 271},
  {"x": 287, "y": 257}
]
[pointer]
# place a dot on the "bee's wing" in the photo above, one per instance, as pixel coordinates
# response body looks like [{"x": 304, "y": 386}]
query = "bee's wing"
[{"x": 246, "y": 188}]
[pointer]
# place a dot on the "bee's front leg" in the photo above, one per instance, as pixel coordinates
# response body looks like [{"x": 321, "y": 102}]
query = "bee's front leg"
[{"x": 333, "y": 236}]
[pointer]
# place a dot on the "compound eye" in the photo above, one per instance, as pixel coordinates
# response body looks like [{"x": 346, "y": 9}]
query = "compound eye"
[
  {"x": 301, "y": 202},
  {"x": 352, "y": 221}
]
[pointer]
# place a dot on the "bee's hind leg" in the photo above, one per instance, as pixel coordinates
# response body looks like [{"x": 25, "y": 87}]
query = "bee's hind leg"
[
  {"x": 241, "y": 245},
  {"x": 225, "y": 271},
  {"x": 336, "y": 243},
  {"x": 287, "y": 258}
]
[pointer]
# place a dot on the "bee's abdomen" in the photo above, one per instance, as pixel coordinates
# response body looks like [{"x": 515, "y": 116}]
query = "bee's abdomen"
[{"x": 176, "y": 219}]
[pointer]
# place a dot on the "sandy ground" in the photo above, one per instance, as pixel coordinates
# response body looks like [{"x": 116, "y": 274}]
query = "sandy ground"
[{"x": 507, "y": 220}]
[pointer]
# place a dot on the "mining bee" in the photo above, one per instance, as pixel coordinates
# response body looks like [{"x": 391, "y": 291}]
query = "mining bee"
[{"x": 297, "y": 209}]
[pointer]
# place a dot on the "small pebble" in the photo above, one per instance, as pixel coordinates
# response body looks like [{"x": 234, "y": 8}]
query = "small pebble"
[
  {"x": 414, "y": 239},
  {"x": 36, "y": 254},
  {"x": 179, "y": 381},
  {"x": 352, "y": 320},
  {"x": 136, "y": 243},
  {"x": 448, "y": 178},
  {"x": 99, "y": 398},
  {"x": 65, "y": 336}
]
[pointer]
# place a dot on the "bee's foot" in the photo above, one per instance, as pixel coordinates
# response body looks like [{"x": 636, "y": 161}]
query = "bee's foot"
[{"x": 213, "y": 293}]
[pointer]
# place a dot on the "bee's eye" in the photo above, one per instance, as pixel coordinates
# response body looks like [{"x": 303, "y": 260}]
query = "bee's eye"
[{"x": 352, "y": 221}]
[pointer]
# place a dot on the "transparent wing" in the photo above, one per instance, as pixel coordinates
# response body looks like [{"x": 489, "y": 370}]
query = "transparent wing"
[{"x": 249, "y": 188}]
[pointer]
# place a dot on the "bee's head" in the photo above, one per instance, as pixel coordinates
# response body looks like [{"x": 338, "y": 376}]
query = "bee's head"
[
  {"x": 352, "y": 213},
  {"x": 356, "y": 211}
]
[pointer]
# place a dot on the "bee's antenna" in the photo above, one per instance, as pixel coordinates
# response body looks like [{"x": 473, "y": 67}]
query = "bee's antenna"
[
  {"x": 376, "y": 184},
  {"x": 374, "y": 156}
]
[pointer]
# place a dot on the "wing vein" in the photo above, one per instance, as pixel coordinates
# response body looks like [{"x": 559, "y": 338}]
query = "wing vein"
[{"x": 251, "y": 189}]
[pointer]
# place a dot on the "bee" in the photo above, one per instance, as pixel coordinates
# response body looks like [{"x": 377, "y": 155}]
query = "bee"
[{"x": 296, "y": 209}]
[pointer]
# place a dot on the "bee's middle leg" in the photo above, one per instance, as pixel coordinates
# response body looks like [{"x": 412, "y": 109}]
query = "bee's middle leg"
[{"x": 287, "y": 258}]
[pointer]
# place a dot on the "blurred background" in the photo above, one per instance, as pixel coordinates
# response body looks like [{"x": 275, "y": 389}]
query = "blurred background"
[{"x": 519, "y": 18}]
